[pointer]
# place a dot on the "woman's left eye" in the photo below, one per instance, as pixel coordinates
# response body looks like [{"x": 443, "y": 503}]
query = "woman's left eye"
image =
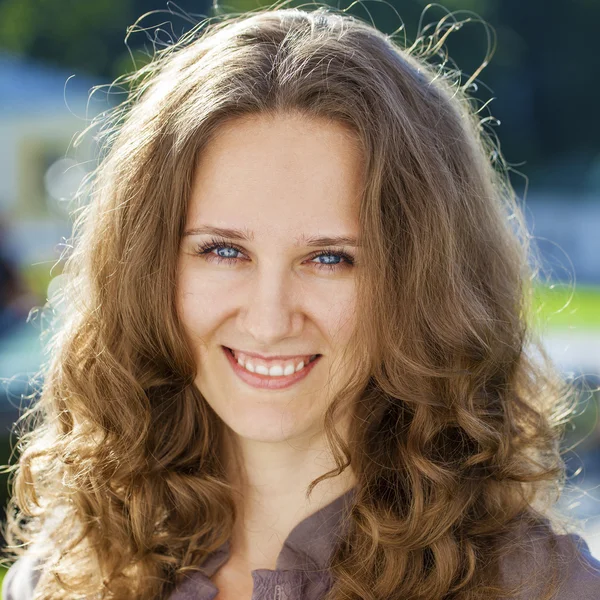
[{"x": 226, "y": 253}]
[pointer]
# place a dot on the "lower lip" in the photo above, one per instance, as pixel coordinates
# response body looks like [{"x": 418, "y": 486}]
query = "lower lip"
[{"x": 265, "y": 381}]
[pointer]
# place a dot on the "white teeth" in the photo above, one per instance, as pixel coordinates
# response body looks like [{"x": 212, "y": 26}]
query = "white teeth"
[
  {"x": 279, "y": 370},
  {"x": 276, "y": 371},
  {"x": 249, "y": 366}
]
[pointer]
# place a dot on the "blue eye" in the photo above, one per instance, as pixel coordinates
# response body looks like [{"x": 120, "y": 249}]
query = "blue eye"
[{"x": 225, "y": 253}]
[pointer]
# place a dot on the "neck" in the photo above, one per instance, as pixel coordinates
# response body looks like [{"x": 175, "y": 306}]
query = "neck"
[{"x": 270, "y": 481}]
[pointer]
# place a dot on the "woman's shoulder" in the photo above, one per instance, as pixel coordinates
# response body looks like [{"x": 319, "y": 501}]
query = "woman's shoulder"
[
  {"x": 536, "y": 560},
  {"x": 527, "y": 565},
  {"x": 581, "y": 569},
  {"x": 22, "y": 577}
]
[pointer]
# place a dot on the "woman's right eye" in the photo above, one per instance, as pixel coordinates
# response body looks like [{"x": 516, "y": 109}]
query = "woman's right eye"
[{"x": 206, "y": 249}]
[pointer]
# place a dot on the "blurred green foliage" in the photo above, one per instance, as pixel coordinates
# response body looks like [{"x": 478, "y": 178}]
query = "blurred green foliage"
[
  {"x": 559, "y": 306},
  {"x": 37, "y": 277}
]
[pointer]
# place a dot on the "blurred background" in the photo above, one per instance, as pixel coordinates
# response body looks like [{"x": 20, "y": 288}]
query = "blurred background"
[{"x": 541, "y": 87}]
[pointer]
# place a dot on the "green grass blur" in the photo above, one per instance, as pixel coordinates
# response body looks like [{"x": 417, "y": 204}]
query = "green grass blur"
[{"x": 559, "y": 306}]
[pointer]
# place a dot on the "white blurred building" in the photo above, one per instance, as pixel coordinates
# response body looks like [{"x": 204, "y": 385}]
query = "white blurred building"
[{"x": 42, "y": 109}]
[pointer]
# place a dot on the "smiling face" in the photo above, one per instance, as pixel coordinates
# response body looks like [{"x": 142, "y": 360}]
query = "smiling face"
[{"x": 283, "y": 182}]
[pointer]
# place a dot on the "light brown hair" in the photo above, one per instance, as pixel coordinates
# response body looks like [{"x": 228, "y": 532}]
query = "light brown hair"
[{"x": 454, "y": 441}]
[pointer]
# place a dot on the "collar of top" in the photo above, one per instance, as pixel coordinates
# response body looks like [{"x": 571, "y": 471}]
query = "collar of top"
[{"x": 302, "y": 567}]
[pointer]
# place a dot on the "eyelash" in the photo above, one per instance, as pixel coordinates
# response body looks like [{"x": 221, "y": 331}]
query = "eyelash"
[{"x": 205, "y": 248}]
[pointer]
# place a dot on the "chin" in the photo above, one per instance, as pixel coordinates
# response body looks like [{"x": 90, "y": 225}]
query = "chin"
[{"x": 265, "y": 423}]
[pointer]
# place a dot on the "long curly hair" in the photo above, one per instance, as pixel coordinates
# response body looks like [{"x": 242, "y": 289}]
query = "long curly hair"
[{"x": 456, "y": 424}]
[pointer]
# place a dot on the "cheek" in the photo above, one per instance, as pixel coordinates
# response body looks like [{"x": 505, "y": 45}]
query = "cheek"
[
  {"x": 338, "y": 316},
  {"x": 197, "y": 308}
]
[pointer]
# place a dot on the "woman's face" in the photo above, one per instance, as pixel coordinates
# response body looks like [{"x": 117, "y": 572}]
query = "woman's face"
[{"x": 280, "y": 182}]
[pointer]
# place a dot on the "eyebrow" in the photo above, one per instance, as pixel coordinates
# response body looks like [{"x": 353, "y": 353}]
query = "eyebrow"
[{"x": 248, "y": 236}]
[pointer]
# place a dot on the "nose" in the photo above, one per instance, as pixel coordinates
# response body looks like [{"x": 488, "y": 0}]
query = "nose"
[{"x": 272, "y": 310}]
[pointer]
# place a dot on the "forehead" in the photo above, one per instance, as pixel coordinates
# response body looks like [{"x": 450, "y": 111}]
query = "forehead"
[{"x": 287, "y": 175}]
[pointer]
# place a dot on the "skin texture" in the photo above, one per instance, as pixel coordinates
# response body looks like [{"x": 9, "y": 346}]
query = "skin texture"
[{"x": 280, "y": 177}]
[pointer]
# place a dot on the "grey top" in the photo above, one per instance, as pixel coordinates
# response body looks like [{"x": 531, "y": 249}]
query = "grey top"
[{"x": 301, "y": 571}]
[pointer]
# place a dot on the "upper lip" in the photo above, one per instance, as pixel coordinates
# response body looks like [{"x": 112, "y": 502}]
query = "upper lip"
[{"x": 272, "y": 356}]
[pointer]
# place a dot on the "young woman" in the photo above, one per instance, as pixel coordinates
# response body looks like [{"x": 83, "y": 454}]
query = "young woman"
[{"x": 292, "y": 354}]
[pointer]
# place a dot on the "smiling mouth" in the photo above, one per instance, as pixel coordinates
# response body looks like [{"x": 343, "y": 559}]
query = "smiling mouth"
[{"x": 276, "y": 377}]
